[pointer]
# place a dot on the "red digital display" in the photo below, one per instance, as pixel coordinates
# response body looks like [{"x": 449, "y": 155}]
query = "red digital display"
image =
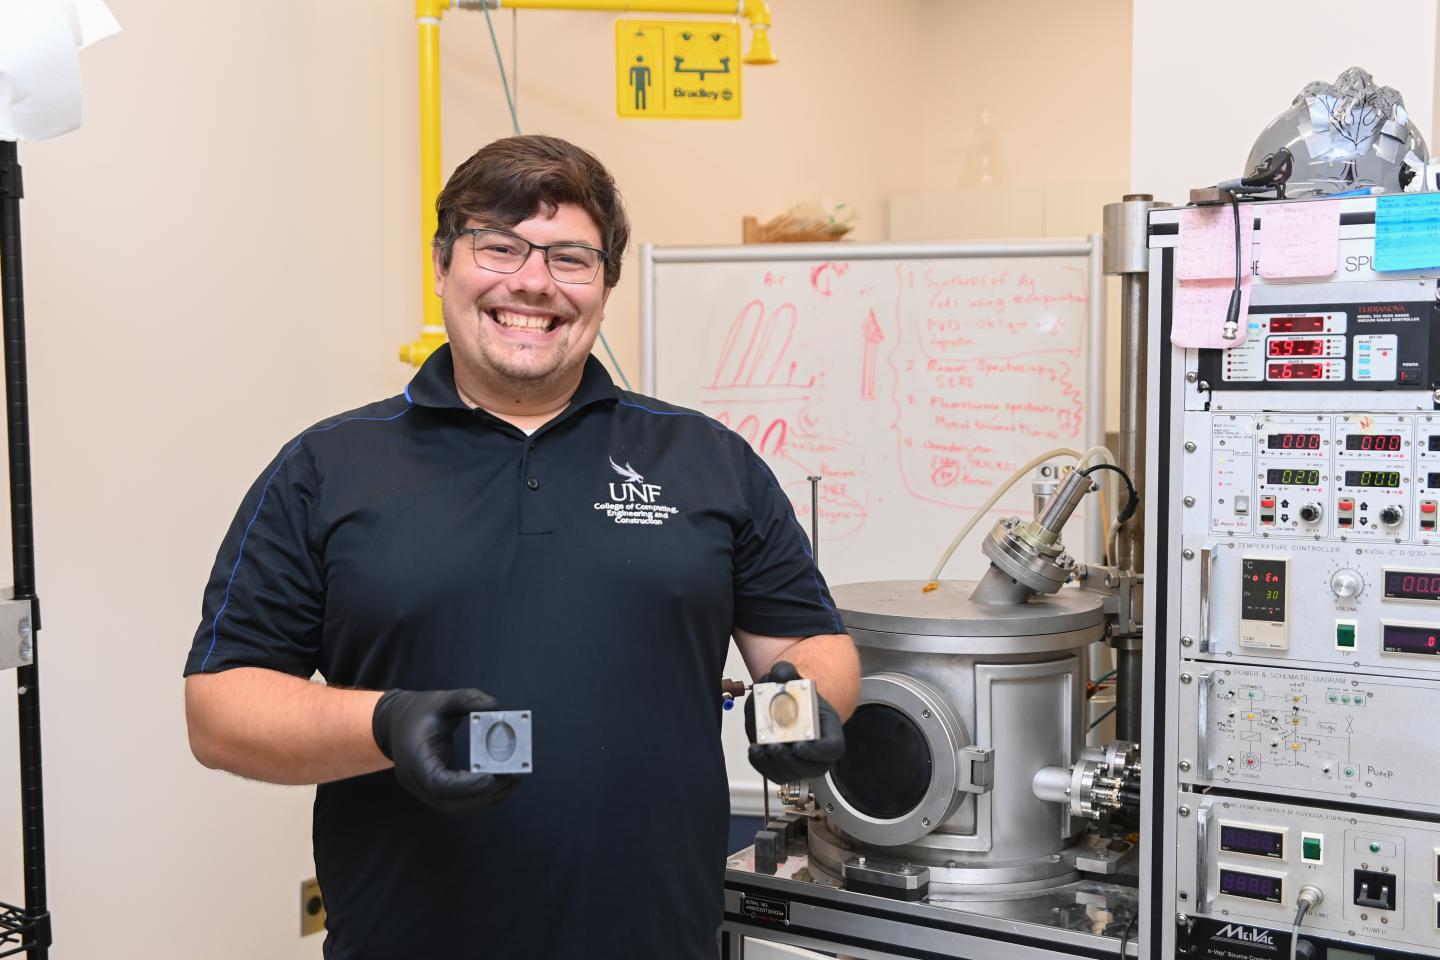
[
  {"x": 1296, "y": 371},
  {"x": 1293, "y": 441},
  {"x": 1412, "y": 585},
  {"x": 1417, "y": 641},
  {"x": 1385, "y": 442},
  {"x": 1297, "y": 348},
  {"x": 1297, "y": 325}
]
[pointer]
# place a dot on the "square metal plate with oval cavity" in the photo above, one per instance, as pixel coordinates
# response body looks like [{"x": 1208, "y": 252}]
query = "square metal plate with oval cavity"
[
  {"x": 500, "y": 742},
  {"x": 786, "y": 712}
]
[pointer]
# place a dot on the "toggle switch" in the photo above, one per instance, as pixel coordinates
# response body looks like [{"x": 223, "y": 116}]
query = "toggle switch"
[
  {"x": 1345, "y": 634},
  {"x": 1267, "y": 509},
  {"x": 1375, "y": 890}
]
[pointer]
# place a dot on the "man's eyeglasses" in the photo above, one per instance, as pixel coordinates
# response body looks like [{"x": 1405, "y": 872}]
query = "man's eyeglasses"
[{"x": 506, "y": 253}]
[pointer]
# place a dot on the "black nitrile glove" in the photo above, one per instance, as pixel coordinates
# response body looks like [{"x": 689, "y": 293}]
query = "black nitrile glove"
[
  {"x": 792, "y": 762},
  {"x": 415, "y": 729}
]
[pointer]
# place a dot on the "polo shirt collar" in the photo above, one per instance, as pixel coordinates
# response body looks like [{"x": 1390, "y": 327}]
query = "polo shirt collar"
[{"x": 434, "y": 384}]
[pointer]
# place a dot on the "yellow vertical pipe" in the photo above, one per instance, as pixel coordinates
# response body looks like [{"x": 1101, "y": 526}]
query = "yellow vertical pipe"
[{"x": 432, "y": 329}]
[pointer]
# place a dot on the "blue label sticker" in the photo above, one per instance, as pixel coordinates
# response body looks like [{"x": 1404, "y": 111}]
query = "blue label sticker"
[{"x": 1407, "y": 231}]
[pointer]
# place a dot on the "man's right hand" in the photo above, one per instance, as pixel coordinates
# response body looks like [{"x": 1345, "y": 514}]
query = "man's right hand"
[{"x": 414, "y": 728}]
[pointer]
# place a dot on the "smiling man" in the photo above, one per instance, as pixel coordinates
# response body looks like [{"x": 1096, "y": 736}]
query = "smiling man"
[{"x": 513, "y": 532}]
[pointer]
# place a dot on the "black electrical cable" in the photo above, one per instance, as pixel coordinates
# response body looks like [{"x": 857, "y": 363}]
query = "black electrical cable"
[
  {"x": 1232, "y": 313},
  {"x": 1132, "y": 502},
  {"x": 1272, "y": 173},
  {"x": 1235, "y": 208},
  {"x": 1125, "y": 936}
]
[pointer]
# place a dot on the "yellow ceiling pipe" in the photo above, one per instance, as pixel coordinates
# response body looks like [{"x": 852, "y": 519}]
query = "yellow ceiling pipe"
[
  {"x": 757, "y": 12},
  {"x": 427, "y": 19},
  {"x": 432, "y": 324}
]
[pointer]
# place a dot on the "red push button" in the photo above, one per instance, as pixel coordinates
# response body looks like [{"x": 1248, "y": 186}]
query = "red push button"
[
  {"x": 1347, "y": 504},
  {"x": 1267, "y": 503},
  {"x": 1427, "y": 506}
]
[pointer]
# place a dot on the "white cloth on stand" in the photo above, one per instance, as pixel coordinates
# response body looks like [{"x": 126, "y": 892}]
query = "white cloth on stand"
[{"x": 39, "y": 64}]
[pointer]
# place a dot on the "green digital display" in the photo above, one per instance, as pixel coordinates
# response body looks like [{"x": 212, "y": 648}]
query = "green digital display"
[{"x": 1372, "y": 478}]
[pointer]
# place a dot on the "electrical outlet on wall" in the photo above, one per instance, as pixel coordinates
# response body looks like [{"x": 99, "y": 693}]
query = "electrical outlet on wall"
[{"x": 312, "y": 908}]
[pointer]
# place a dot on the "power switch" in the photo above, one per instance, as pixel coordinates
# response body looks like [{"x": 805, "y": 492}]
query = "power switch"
[
  {"x": 1374, "y": 890},
  {"x": 1345, "y": 636},
  {"x": 1310, "y": 848}
]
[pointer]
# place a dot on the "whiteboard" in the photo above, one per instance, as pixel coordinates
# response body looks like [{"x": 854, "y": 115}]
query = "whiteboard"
[{"x": 912, "y": 379}]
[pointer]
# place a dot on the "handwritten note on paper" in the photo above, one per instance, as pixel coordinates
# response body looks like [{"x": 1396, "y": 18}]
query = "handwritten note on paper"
[
  {"x": 1207, "y": 242},
  {"x": 1199, "y": 312},
  {"x": 1407, "y": 231},
  {"x": 1300, "y": 239}
]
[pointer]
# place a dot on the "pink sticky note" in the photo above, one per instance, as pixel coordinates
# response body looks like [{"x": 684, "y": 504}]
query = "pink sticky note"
[
  {"x": 1199, "y": 310},
  {"x": 1206, "y": 250},
  {"x": 1300, "y": 239}
]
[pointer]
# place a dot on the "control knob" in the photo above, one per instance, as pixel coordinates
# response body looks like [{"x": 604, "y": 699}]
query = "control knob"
[
  {"x": 1346, "y": 583},
  {"x": 1392, "y": 515},
  {"x": 1311, "y": 512}
]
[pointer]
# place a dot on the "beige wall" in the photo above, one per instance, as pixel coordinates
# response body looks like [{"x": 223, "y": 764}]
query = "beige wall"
[
  {"x": 1202, "y": 94},
  {"x": 225, "y": 253}
]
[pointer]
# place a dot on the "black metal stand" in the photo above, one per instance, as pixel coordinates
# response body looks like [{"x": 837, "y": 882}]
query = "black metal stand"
[{"x": 30, "y": 927}]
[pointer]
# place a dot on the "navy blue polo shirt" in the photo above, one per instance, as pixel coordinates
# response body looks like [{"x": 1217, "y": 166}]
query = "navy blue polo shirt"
[{"x": 592, "y": 573}]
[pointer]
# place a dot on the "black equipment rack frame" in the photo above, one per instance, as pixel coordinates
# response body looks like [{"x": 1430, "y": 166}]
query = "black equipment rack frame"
[{"x": 22, "y": 930}]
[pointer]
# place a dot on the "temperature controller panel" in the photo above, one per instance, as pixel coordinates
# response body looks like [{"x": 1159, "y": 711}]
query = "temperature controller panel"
[
  {"x": 1264, "y": 603},
  {"x": 1245, "y": 861},
  {"x": 1370, "y": 607}
]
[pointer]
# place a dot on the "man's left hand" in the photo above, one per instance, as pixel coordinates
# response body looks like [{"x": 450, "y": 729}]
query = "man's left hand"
[{"x": 806, "y": 759}]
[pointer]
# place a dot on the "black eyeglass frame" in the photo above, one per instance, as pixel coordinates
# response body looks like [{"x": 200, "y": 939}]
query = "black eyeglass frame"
[{"x": 530, "y": 247}]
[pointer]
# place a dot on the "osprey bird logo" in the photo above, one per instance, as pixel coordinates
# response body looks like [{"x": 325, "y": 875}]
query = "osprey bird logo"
[{"x": 627, "y": 471}]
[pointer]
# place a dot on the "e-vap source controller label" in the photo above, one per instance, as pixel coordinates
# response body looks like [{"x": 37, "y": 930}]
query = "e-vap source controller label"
[{"x": 1220, "y": 940}]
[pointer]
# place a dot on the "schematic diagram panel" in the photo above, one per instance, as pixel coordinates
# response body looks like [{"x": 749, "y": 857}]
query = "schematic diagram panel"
[{"x": 1354, "y": 739}]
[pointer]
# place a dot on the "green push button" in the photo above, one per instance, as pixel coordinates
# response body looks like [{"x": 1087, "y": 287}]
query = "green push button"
[
  {"x": 1345, "y": 635},
  {"x": 1374, "y": 847},
  {"x": 1310, "y": 849}
]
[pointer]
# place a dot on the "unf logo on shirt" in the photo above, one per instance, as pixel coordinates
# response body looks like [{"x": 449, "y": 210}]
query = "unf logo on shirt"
[{"x": 633, "y": 501}]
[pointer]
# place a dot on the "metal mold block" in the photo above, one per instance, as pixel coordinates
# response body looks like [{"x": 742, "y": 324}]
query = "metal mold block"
[
  {"x": 786, "y": 712},
  {"x": 500, "y": 742}
]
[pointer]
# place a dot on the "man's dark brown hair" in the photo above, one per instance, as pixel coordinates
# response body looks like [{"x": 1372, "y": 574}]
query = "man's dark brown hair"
[{"x": 512, "y": 180}]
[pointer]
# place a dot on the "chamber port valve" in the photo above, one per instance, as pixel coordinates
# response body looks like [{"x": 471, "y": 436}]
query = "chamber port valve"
[{"x": 730, "y": 691}]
